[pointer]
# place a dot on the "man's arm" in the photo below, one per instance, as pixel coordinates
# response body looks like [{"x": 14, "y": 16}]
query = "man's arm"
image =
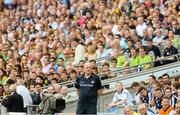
[
  {"x": 100, "y": 92},
  {"x": 78, "y": 91},
  {"x": 99, "y": 86},
  {"x": 115, "y": 103},
  {"x": 148, "y": 66},
  {"x": 76, "y": 85}
]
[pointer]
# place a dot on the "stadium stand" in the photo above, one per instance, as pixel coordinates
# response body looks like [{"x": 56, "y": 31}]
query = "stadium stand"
[{"x": 44, "y": 45}]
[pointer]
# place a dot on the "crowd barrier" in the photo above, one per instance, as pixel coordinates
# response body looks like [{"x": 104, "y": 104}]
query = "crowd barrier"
[{"x": 172, "y": 69}]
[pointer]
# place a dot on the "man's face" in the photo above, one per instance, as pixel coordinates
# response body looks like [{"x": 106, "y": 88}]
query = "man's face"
[
  {"x": 168, "y": 44},
  {"x": 133, "y": 52},
  {"x": 158, "y": 94},
  {"x": 165, "y": 79},
  {"x": 24, "y": 60},
  {"x": 142, "y": 52},
  {"x": 51, "y": 89},
  {"x": 151, "y": 80},
  {"x": 119, "y": 87},
  {"x": 64, "y": 76},
  {"x": 60, "y": 62},
  {"x": 88, "y": 68},
  {"x": 105, "y": 68},
  {"x": 174, "y": 24},
  {"x": 135, "y": 88},
  {"x": 73, "y": 75},
  {"x": 165, "y": 103},
  {"x": 142, "y": 110},
  {"x": 177, "y": 108},
  {"x": 168, "y": 93},
  {"x": 149, "y": 44},
  {"x": 143, "y": 93},
  {"x": 38, "y": 88},
  {"x": 128, "y": 111}
]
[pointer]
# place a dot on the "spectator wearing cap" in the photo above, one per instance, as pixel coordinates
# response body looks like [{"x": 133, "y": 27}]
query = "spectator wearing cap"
[{"x": 166, "y": 107}]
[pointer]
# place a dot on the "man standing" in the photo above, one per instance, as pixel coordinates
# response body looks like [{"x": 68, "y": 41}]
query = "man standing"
[
  {"x": 89, "y": 87},
  {"x": 13, "y": 102},
  {"x": 24, "y": 92},
  {"x": 79, "y": 51}
]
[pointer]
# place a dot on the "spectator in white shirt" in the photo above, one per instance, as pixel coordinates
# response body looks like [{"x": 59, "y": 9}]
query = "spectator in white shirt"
[
  {"x": 158, "y": 40},
  {"x": 79, "y": 52},
  {"x": 45, "y": 64},
  {"x": 135, "y": 87},
  {"x": 121, "y": 97},
  {"x": 141, "y": 26},
  {"x": 24, "y": 92},
  {"x": 100, "y": 53}
]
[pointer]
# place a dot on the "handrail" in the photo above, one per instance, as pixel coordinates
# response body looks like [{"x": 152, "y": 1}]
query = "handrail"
[
  {"x": 153, "y": 70},
  {"x": 108, "y": 91},
  {"x": 125, "y": 69}
]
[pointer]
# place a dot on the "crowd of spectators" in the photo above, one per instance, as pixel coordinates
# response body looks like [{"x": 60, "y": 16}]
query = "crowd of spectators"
[
  {"x": 159, "y": 96},
  {"x": 48, "y": 41}
]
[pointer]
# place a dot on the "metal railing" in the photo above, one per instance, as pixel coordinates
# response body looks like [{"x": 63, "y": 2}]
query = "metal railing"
[
  {"x": 127, "y": 70},
  {"x": 108, "y": 93}
]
